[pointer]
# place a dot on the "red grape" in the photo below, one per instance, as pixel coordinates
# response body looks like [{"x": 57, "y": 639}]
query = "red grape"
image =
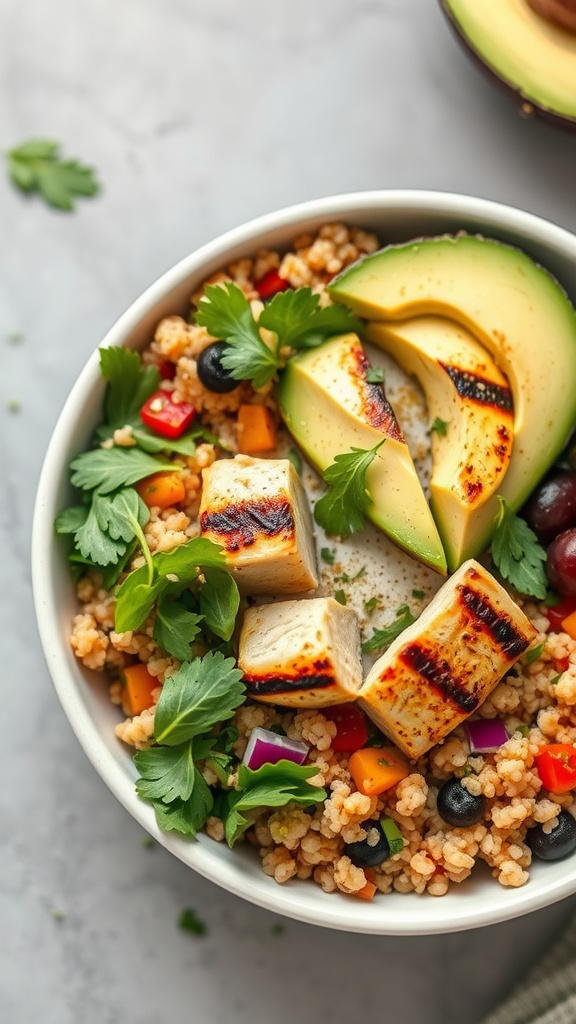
[
  {"x": 561, "y": 564},
  {"x": 552, "y": 507}
]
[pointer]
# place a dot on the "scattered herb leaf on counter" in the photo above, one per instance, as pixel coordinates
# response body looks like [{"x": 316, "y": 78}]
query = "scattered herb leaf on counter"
[
  {"x": 341, "y": 511},
  {"x": 384, "y": 637},
  {"x": 37, "y": 166},
  {"x": 295, "y": 317},
  {"x": 517, "y": 554},
  {"x": 190, "y": 922},
  {"x": 440, "y": 427},
  {"x": 272, "y": 785}
]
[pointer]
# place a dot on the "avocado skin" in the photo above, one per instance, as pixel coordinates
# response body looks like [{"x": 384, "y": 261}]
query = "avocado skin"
[
  {"x": 322, "y": 398},
  {"x": 529, "y": 106},
  {"x": 513, "y": 307}
]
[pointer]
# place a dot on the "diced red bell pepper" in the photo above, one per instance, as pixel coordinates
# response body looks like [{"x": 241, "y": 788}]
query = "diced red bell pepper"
[
  {"x": 167, "y": 370},
  {"x": 271, "y": 284},
  {"x": 165, "y": 417},
  {"x": 556, "y": 766},
  {"x": 560, "y": 611},
  {"x": 352, "y": 731}
]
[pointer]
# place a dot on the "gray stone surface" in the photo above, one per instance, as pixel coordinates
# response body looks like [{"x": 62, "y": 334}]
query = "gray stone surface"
[{"x": 199, "y": 116}]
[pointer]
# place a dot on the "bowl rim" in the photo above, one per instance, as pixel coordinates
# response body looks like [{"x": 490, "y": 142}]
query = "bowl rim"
[{"x": 280, "y": 899}]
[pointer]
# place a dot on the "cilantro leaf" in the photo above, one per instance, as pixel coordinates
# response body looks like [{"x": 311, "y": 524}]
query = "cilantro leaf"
[
  {"x": 104, "y": 530},
  {"x": 226, "y": 314},
  {"x": 517, "y": 554},
  {"x": 108, "y": 469},
  {"x": 203, "y": 691},
  {"x": 71, "y": 519},
  {"x": 130, "y": 383},
  {"x": 36, "y": 166},
  {"x": 172, "y": 571},
  {"x": 186, "y": 816},
  {"x": 298, "y": 321},
  {"x": 384, "y": 637},
  {"x": 166, "y": 773},
  {"x": 272, "y": 785},
  {"x": 175, "y": 628},
  {"x": 342, "y": 510},
  {"x": 219, "y": 602},
  {"x": 92, "y": 541},
  {"x": 110, "y": 573},
  {"x": 190, "y": 922}
]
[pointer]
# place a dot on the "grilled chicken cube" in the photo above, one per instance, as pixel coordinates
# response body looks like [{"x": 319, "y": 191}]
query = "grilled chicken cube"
[
  {"x": 257, "y": 510},
  {"x": 301, "y": 653},
  {"x": 440, "y": 669}
]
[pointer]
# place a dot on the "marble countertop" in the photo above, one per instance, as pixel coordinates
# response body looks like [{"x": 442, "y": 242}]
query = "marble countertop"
[{"x": 199, "y": 116}]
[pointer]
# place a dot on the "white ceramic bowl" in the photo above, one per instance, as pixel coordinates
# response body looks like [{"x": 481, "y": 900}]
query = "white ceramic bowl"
[{"x": 396, "y": 216}]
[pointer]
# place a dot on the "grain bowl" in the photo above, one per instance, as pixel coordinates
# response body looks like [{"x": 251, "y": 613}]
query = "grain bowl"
[{"x": 404, "y": 908}]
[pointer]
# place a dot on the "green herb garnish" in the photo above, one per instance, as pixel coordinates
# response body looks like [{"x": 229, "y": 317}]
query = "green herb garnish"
[
  {"x": 328, "y": 555},
  {"x": 340, "y": 596},
  {"x": 533, "y": 654},
  {"x": 419, "y": 595},
  {"x": 375, "y": 375},
  {"x": 384, "y": 637},
  {"x": 342, "y": 510},
  {"x": 517, "y": 554},
  {"x": 370, "y": 604},
  {"x": 190, "y": 922},
  {"x": 36, "y": 166},
  {"x": 272, "y": 785},
  {"x": 440, "y": 427}
]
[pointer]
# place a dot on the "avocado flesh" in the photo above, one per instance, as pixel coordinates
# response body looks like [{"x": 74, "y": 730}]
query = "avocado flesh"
[
  {"x": 528, "y": 53},
  {"x": 514, "y": 308},
  {"x": 329, "y": 408},
  {"x": 465, "y": 389}
]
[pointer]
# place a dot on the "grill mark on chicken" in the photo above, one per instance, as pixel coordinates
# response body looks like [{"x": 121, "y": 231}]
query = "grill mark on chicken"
[
  {"x": 376, "y": 408},
  {"x": 477, "y": 389},
  {"x": 510, "y": 641},
  {"x": 437, "y": 673},
  {"x": 266, "y": 684},
  {"x": 240, "y": 525}
]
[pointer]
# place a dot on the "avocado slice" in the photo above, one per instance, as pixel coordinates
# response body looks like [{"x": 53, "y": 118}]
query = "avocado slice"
[
  {"x": 470, "y": 413},
  {"x": 329, "y": 408},
  {"x": 533, "y": 58},
  {"x": 514, "y": 308}
]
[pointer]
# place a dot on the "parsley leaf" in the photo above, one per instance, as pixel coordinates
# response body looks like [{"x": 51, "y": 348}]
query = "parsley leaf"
[
  {"x": 517, "y": 554},
  {"x": 534, "y": 653},
  {"x": 226, "y": 314},
  {"x": 186, "y": 816},
  {"x": 201, "y": 693},
  {"x": 130, "y": 383},
  {"x": 175, "y": 628},
  {"x": 106, "y": 529},
  {"x": 298, "y": 321},
  {"x": 166, "y": 773},
  {"x": 384, "y": 637},
  {"x": 190, "y": 922},
  {"x": 440, "y": 427},
  {"x": 342, "y": 510},
  {"x": 36, "y": 166},
  {"x": 107, "y": 469},
  {"x": 219, "y": 602},
  {"x": 272, "y": 785}
]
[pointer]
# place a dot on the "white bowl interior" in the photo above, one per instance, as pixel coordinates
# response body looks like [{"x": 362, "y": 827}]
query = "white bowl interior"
[{"x": 396, "y": 216}]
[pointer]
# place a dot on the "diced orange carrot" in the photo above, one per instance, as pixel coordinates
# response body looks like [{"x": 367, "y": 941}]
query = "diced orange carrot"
[
  {"x": 137, "y": 686},
  {"x": 256, "y": 429},
  {"x": 162, "y": 489},
  {"x": 375, "y": 769},
  {"x": 569, "y": 625},
  {"x": 368, "y": 890}
]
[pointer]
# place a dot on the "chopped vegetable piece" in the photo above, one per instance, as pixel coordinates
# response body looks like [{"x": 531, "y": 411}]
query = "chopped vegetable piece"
[
  {"x": 485, "y": 735},
  {"x": 256, "y": 429},
  {"x": 376, "y": 769},
  {"x": 352, "y": 730},
  {"x": 556, "y": 766},
  {"x": 137, "y": 687},
  {"x": 569, "y": 625},
  {"x": 271, "y": 284},
  {"x": 162, "y": 490},
  {"x": 368, "y": 890},
  {"x": 167, "y": 370},
  {"x": 266, "y": 747},
  {"x": 393, "y": 835},
  {"x": 560, "y": 611},
  {"x": 170, "y": 419}
]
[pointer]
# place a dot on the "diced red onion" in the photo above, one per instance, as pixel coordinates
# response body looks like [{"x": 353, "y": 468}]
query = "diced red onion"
[
  {"x": 486, "y": 735},
  {"x": 266, "y": 747}
]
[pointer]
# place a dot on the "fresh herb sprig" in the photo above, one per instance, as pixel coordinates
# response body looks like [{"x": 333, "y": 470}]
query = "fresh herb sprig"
[
  {"x": 517, "y": 554},
  {"x": 105, "y": 528},
  {"x": 272, "y": 785},
  {"x": 342, "y": 510},
  {"x": 295, "y": 318},
  {"x": 384, "y": 637},
  {"x": 37, "y": 166}
]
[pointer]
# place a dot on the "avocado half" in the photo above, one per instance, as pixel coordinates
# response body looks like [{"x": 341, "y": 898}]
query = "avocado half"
[
  {"x": 511, "y": 306},
  {"x": 531, "y": 57},
  {"x": 329, "y": 408}
]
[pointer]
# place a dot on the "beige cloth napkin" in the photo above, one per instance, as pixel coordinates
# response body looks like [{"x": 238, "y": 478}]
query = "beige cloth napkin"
[{"x": 547, "y": 995}]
